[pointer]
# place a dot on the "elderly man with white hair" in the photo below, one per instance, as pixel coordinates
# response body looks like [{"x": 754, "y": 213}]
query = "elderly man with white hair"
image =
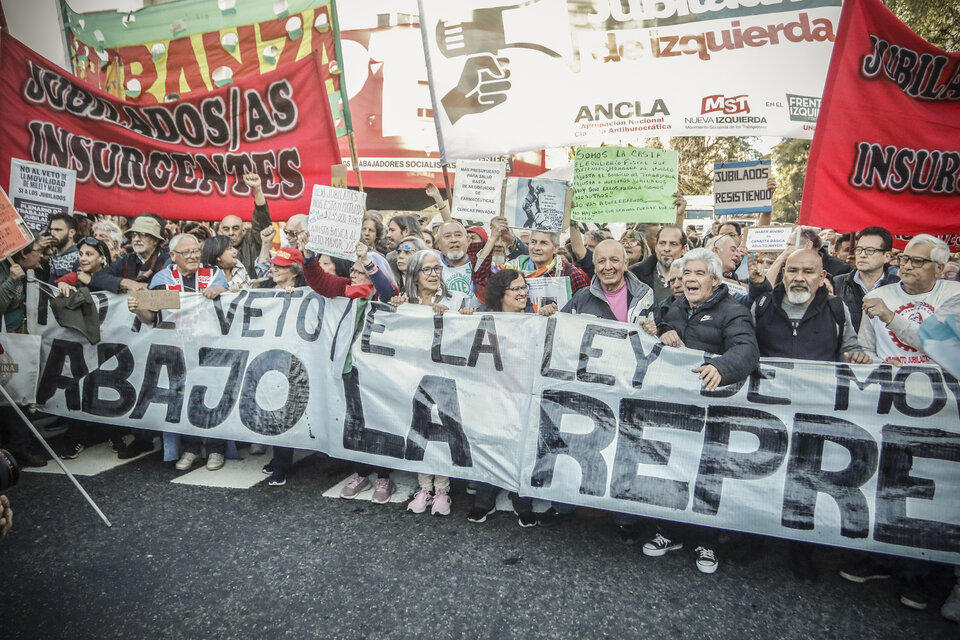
[
  {"x": 893, "y": 313},
  {"x": 708, "y": 319}
]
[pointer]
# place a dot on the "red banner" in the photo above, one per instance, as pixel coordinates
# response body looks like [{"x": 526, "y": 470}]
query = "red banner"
[
  {"x": 887, "y": 146},
  {"x": 182, "y": 159}
]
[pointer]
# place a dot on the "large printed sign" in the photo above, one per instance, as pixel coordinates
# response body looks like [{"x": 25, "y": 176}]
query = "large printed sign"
[
  {"x": 567, "y": 408},
  {"x": 510, "y": 76},
  {"x": 887, "y": 151},
  {"x": 183, "y": 159},
  {"x": 40, "y": 191}
]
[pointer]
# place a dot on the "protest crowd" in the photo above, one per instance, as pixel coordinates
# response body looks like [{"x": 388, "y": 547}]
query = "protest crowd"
[{"x": 827, "y": 297}]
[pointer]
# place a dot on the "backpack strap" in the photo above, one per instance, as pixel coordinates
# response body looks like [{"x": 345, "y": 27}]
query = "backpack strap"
[{"x": 836, "y": 306}]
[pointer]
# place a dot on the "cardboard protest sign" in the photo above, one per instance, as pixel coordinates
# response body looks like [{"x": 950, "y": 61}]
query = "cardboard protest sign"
[
  {"x": 336, "y": 216},
  {"x": 39, "y": 191},
  {"x": 157, "y": 299},
  {"x": 624, "y": 184},
  {"x": 544, "y": 291},
  {"x": 768, "y": 238},
  {"x": 741, "y": 187},
  {"x": 14, "y": 234},
  {"x": 535, "y": 203},
  {"x": 478, "y": 190}
]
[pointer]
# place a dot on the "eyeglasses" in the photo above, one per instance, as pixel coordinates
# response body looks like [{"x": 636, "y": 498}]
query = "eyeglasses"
[
  {"x": 867, "y": 251},
  {"x": 914, "y": 261},
  {"x": 432, "y": 270},
  {"x": 521, "y": 289},
  {"x": 291, "y": 234},
  {"x": 190, "y": 253},
  {"x": 630, "y": 243},
  {"x": 90, "y": 240}
]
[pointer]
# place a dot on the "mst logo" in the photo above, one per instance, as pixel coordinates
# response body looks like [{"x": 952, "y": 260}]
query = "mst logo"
[{"x": 734, "y": 104}]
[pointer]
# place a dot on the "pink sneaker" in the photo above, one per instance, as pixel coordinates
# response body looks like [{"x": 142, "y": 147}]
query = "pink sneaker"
[
  {"x": 382, "y": 490},
  {"x": 421, "y": 500},
  {"x": 441, "y": 503},
  {"x": 356, "y": 485}
]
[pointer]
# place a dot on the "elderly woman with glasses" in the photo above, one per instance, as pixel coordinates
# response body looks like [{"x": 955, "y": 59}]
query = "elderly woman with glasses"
[
  {"x": 635, "y": 242},
  {"x": 424, "y": 285}
]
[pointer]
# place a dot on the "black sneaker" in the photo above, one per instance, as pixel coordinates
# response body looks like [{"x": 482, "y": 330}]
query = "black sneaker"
[
  {"x": 268, "y": 468},
  {"x": 134, "y": 449},
  {"x": 71, "y": 451},
  {"x": 865, "y": 570},
  {"x": 550, "y": 517},
  {"x": 277, "y": 479},
  {"x": 116, "y": 443},
  {"x": 526, "y": 520},
  {"x": 913, "y": 594},
  {"x": 479, "y": 515}
]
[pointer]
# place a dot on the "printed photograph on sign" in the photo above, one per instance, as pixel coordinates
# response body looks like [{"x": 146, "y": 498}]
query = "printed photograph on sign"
[
  {"x": 336, "y": 216},
  {"x": 741, "y": 187},
  {"x": 544, "y": 291},
  {"x": 40, "y": 191},
  {"x": 534, "y": 203},
  {"x": 478, "y": 190}
]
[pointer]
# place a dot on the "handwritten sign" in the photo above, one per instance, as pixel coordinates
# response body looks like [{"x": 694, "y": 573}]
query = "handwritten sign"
[
  {"x": 157, "y": 299},
  {"x": 334, "y": 221},
  {"x": 534, "y": 203},
  {"x": 741, "y": 187},
  {"x": 477, "y": 190},
  {"x": 14, "y": 234},
  {"x": 768, "y": 238},
  {"x": 39, "y": 191},
  {"x": 624, "y": 184}
]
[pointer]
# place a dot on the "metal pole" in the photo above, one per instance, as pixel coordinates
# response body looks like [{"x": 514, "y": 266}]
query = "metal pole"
[{"x": 53, "y": 455}]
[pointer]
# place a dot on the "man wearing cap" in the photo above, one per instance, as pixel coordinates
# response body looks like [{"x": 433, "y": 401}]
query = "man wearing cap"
[
  {"x": 248, "y": 243},
  {"x": 133, "y": 271},
  {"x": 187, "y": 275}
]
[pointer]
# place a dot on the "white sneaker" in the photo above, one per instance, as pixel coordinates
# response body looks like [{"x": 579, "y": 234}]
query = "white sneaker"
[
  {"x": 660, "y": 546},
  {"x": 706, "y": 560},
  {"x": 215, "y": 461},
  {"x": 186, "y": 461}
]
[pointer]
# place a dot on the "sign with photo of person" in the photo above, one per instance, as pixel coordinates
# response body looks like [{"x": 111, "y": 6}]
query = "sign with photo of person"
[{"x": 535, "y": 203}]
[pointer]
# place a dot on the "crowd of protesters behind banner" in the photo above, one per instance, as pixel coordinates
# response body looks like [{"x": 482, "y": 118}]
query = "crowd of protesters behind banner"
[{"x": 827, "y": 297}]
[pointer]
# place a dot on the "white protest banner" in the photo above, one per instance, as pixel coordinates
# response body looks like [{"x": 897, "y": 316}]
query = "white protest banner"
[
  {"x": 535, "y": 203},
  {"x": 741, "y": 187},
  {"x": 515, "y": 76},
  {"x": 19, "y": 366},
  {"x": 477, "y": 190},
  {"x": 768, "y": 238},
  {"x": 336, "y": 216},
  {"x": 624, "y": 184},
  {"x": 554, "y": 290},
  {"x": 39, "y": 191},
  {"x": 568, "y": 408}
]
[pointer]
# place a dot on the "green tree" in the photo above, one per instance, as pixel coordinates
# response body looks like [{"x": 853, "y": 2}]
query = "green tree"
[
  {"x": 932, "y": 20},
  {"x": 698, "y": 155},
  {"x": 790, "y": 165}
]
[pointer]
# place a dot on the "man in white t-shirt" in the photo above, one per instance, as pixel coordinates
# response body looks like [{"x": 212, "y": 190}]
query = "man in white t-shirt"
[
  {"x": 893, "y": 313},
  {"x": 457, "y": 270}
]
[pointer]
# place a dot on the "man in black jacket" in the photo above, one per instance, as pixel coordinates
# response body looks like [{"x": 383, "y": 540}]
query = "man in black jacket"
[
  {"x": 708, "y": 319},
  {"x": 671, "y": 244},
  {"x": 614, "y": 293},
  {"x": 872, "y": 255},
  {"x": 248, "y": 243},
  {"x": 132, "y": 271}
]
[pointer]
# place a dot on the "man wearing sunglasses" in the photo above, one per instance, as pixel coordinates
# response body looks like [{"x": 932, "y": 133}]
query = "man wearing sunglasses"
[
  {"x": 893, "y": 313},
  {"x": 872, "y": 261}
]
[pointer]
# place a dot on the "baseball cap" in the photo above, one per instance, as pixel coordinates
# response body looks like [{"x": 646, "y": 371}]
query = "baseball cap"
[{"x": 287, "y": 256}]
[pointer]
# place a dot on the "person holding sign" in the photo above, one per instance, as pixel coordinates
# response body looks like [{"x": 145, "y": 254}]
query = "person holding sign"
[
  {"x": 425, "y": 285},
  {"x": 187, "y": 275},
  {"x": 708, "y": 319},
  {"x": 13, "y": 292}
]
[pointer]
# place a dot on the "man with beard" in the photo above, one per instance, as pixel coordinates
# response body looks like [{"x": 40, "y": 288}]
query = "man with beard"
[
  {"x": 671, "y": 244},
  {"x": 133, "y": 271},
  {"x": 63, "y": 230}
]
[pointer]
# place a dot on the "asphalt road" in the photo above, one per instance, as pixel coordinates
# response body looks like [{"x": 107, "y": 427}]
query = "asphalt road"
[{"x": 284, "y": 562}]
